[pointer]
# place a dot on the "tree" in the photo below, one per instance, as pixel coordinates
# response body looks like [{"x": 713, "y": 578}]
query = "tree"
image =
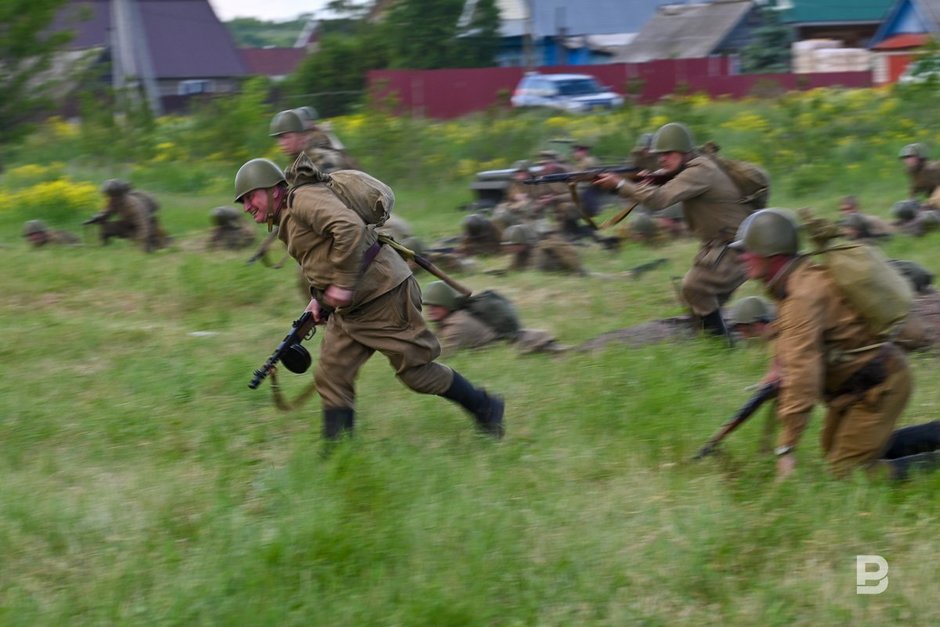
[
  {"x": 27, "y": 49},
  {"x": 480, "y": 41},
  {"x": 770, "y": 49},
  {"x": 422, "y": 34}
]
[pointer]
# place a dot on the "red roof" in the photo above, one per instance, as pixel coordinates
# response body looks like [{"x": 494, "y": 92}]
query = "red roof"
[
  {"x": 272, "y": 61},
  {"x": 906, "y": 40}
]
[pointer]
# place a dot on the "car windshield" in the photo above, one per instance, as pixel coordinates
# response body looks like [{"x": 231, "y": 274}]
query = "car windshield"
[{"x": 578, "y": 87}]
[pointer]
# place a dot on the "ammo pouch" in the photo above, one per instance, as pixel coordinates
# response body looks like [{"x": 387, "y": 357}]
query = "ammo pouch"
[{"x": 868, "y": 376}]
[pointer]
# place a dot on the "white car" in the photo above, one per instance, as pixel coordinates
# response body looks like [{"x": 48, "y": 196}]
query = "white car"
[{"x": 576, "y": 93}]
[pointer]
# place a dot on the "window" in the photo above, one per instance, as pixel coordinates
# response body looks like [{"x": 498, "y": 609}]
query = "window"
[{"x": 188, "y": 88}]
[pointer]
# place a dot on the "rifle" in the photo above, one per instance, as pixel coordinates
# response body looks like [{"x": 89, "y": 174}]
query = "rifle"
[
  {"x": 408, "y": 255},
  {"x": 765, "y": 393},
  {"x": 98, "y": 218},
  {"x": 579, "y": 176},
  {"x": 636, "y": 271},
  {"x": 290, "y": 351}
]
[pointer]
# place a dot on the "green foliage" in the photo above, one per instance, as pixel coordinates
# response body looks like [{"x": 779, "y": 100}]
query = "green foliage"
[
  {"x": 26, "y": 53},
  {"x": 423, "y": 35},
  {"x": 334, "y": 79},
  {"x": 479, "y": 43},
  {"x": 769, "y": 50},
  {"x": 249, "y": 32}
]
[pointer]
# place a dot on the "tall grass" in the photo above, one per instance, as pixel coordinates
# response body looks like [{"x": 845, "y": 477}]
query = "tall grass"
[{"x": 144, "y": 483}]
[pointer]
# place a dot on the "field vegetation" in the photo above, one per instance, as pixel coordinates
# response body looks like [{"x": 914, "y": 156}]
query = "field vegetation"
[{"x": 144, "y": 483}]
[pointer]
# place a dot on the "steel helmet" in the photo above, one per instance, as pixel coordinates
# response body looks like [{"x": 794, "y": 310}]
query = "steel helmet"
[
  {"x": 475, "y": 224},
  {"x": 752, "y": 309},
  {"x": 440, "y": 294},
  {"x": 33, "y": 227},
  {"x": 289, "y": 121},
  {"x": 518, "y": 234},
  {"x": 673, "y": 137},
  {"x": 913, "y": 150},
  {"x": 644, "y": 225},
  {"x": 905, "y": 210},
  {"x": 224, "y": 216},
  {"x": 768, "y": 232},
  {"x": 257, "y": 174},
  {"x": 644, "y": 141},
  {"x": 308, "y": 115},
  {"x": 115, "y": 187}
]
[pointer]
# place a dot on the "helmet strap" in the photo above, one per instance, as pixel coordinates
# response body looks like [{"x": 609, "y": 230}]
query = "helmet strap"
[{"x": 271, "y": 208}]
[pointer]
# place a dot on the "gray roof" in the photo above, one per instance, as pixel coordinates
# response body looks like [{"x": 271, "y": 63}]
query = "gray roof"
[
  {"x": 185, "y": 37},
  {"x": 576, "y": 17},
  {"x": 688, "y": 31}
]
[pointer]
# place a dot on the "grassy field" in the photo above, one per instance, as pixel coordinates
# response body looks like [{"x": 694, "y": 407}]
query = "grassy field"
[{"x": 144, "y": 483}]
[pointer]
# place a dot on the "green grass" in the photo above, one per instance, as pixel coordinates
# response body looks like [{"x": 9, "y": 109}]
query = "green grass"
[{"x": 144, "y": 483}]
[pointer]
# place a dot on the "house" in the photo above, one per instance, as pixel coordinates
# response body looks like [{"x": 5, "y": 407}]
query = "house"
[
  {"x": 564, "y": 32},
  {"x": 908, "y": 25},
  {"x": 852, "y": 22},
  {"x": 170, "y": 49},
  {"x": 275, "y": 63},
  {"x": 693, "y": 31}
]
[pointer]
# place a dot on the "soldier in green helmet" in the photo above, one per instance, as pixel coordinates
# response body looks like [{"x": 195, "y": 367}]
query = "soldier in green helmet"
[
  {"x": 546, "y": 252},
  {"x": 296, "y": 134},
  {"x": 712, "y": 207},
  {"x": 38, "y": 235},
  {"x": 480, "y": 236},
  {"x": 129, "y": 214},
  {"x": 459, "y": 327},
  {"x": 229, "y": 230},
  {"x": 924, "y": 175},
  {"x": 362, "y": 291},
  {"x": 824, "y": 351},
  {"x": 857, "y": 225},
  {"x": 913, "y": 218},
  {"x": 751, "y": 317}
]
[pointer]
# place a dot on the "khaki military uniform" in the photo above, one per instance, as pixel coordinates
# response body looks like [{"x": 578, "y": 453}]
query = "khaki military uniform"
[
  {"x": 326, "y": 158},
  {"x": 488, "y": 241},
  {"x": 134, "y": 217},
  {"x": 926, "y": 221},
  {"x": 461, "y": 329},
  {"x": 56, "y": 238},
  {"x": 824, "y": 351},
  {"x": 551, "y": 254},
  {"x": 330, "y": 242},
  {"x": 234, "y": 235},
  {"x": 712, "y": 212},
  {"x": 926, "y": 181}
]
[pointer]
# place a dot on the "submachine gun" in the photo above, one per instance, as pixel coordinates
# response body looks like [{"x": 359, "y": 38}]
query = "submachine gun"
[{"x": 290, "y": 351}]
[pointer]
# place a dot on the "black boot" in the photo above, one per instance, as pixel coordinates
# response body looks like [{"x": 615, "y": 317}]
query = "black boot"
[
  {"x": 903, "y": 467},
  {"x": 913, "y": 440},
  {"x": 337, "y": 422},
  {"x": 487, "y": 409},
  {"x": 714, "y": 324}
]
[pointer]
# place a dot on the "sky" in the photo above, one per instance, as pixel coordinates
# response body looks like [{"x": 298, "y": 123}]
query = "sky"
[{"x": 270, "y": 10}]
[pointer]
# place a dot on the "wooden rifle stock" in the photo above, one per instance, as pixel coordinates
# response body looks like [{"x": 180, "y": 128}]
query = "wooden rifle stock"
[{"x": 765, "y": 393}]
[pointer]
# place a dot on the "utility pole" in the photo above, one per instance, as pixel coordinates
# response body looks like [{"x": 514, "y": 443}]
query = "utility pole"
[{"x": 131, "y": 66}]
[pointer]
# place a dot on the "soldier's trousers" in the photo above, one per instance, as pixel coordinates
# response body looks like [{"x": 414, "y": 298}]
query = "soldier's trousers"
[
  {"x": 714, "y": 276},
  {"x": 391, "y": 324},
  {"x": 858, "y": 426}
]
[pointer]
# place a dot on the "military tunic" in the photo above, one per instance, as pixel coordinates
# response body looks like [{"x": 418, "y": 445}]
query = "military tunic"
[
  {"x": 133, "y": 219},
  {"x": 712, "y": 212},
  {"x": 926, "y": 180},
  {"x": 461, "y": 329},
  {"x": 551, "y": 254},
  {"x": 56, "y": 238},
  {"x": 824, "y": 351},
  {"x": 330, "y": 242}
]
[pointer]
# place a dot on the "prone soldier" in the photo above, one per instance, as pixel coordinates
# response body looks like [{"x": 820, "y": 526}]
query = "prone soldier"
[
  {"x": 229, "y": 230},
  {"x": 549, "y": 253},
  {"x": 38, "y": 235}
]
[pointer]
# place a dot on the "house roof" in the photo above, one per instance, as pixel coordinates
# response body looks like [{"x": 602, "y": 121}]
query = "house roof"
[
  {"x": 185, "y": 38},
  {"x": 571, "y": 17},
  {"x": 272, "y": 61},
  {"x": 909, "y": 17},
  {"x": 902, "y": 42},
  {"x": 687, "y": 31},
  {"x": 844, "y": 11}
]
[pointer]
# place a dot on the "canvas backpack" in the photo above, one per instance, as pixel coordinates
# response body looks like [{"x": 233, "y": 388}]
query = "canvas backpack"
[
  {"x": 495, "y": 311},
  {"x": 871, "y": 285},
  {"x": 752, "y": 181},
  {"x": 370, "y": 198}
]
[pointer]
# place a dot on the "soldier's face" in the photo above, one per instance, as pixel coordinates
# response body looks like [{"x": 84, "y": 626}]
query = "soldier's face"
[
  {"x": 256, "y": 205},
  {"x": 911, "y": 163},
  {"x": 671, "y": 161},
  {"x": 291, "y": 143},
  {"x": 757, "y": 267},
  {"x": 437, "y": 313}
]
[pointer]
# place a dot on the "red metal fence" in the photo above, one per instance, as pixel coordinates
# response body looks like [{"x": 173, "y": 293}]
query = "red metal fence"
[{"x": 455, "y": 92}]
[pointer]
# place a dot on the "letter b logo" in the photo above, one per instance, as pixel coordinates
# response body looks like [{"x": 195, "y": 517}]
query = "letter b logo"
[{"x": 863, "y": 575}]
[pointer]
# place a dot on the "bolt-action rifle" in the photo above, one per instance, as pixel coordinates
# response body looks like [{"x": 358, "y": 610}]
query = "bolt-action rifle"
[{"x": 765, "y": 393}]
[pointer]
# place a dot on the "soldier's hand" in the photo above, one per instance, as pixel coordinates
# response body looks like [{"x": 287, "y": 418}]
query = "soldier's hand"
[
  {"x": 607, "y": 181},
  {"x": 336, "y": 296},
  {"x": 318, "y": 314}
]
